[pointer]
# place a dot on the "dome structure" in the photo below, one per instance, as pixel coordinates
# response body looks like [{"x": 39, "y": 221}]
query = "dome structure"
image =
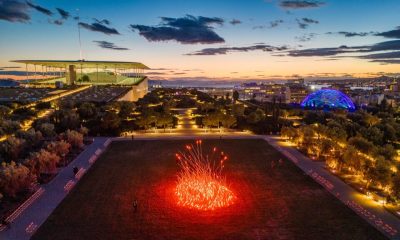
[{"x": 328, "y": 98}]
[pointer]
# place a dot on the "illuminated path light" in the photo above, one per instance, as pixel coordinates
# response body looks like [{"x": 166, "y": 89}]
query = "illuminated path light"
[{"x": 201, "y": 184}]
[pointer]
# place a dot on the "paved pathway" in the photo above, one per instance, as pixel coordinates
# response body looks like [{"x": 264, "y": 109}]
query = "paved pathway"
[
  {"x": 368, "y": 209},
  {"x": 54, "y": 192}
]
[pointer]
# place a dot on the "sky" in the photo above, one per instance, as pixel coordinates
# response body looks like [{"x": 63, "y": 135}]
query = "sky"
[{"x": 210, "y": 39}]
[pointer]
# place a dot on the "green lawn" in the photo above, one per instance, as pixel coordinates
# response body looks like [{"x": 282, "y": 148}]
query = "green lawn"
[{"x": 279, "y": 203}]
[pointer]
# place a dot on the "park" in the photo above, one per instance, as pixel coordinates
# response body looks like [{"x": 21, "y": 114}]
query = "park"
[{"x": 275, "y": 199}]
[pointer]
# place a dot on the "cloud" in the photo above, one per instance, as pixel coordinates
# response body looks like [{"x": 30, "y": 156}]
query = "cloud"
[
  {"x": 309, "y": 20},
  {"x": 260, "y": 27},
  {"x": 225, "y": 50},
  {"x": 109, "y": 45},
  {"x": 306, "y": 37},
  {"x": 390, "y": 34},
  {"x": 235, "y": 21},
  {"x": 384, "y": 52},
  {"x": 40, "y": 9},
  {"x": 185, "y": 30},
  {"x": 98, "y": 27},
  {"x": 385, "y": 46},
  {"x": 352, "y": 34},
  {"x": 319, "y": 52},
  {"x": 57, "y": 22},
  {"x": 299, "y": 4},
  {"x": 104, "y": 21},
  {"x": 305, "y": 22},
  {"x": 387, "y": 61},
  {"x": 64, "y": 14},
  {"x": 386, "y": 55},
  {"x": 275, "y": 23},
  {"x": 14, "y": 11}
]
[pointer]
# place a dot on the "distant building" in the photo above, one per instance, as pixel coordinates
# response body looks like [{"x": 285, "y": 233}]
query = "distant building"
[
  {"x": 264, "y": 92},
  {"x": 296, "y": 81},
  {"x": 368, "y": 99},
  {"x": 297, "y": 93}
]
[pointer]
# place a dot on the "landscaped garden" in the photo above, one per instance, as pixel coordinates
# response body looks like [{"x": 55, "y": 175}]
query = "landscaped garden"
[{"x": 274, "y": 199}]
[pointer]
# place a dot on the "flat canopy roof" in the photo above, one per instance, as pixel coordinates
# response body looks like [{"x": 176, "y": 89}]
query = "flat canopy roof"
[{"x": 84, "y": 64}]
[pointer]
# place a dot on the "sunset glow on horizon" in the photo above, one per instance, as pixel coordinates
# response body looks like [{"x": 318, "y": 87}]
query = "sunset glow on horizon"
[{"x": 210, "y": 40}]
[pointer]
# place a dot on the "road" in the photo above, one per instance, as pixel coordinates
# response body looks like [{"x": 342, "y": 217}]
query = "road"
[
  {"x": 36, "y": 213},
  {"x": 368, "y": 209}
]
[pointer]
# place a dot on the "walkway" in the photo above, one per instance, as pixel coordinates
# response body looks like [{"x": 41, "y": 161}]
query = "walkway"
[
  {"x": 28, "y": 221},
  {"x": 187, "y": 128},
  {"x": 368, "y": 209}
]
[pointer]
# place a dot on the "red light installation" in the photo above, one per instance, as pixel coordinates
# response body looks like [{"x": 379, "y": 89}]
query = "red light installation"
[{"x": 201, "y": 184}]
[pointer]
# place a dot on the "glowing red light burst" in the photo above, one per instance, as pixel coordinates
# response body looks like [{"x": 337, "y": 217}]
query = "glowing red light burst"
[{"x": 200, "y": 181}]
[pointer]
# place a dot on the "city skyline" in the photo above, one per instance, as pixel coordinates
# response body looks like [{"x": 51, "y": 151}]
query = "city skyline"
[{"x": 206, "y": 40}]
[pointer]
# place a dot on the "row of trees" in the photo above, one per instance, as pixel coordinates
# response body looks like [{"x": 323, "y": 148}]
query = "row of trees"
[
  {"x": 20, "y": 175},
  {"x": 375, "y": 165},
  {"x": 218, "y": 119}
]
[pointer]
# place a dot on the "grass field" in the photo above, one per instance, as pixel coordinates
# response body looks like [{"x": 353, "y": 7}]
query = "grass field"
[{"x": 278, "y": 203}]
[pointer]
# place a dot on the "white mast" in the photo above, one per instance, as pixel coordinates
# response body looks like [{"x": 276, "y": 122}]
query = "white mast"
[{"x": 79, "y": 36}]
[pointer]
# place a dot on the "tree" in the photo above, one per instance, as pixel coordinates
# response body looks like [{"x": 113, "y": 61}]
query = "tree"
[
  {"x": 212, "y": 119},
  {"x": 396, "y": 186},
  {"x": 31, "y": 136},
  {"x": 325, "y": 147},
  {"x": 387, "y": 151},
  {"x": 74, "y": 138},
  {"x": 15, "y": 178},
  {"x": 47, "y": 129},
  {"x": 4, "y": 111},
  {"x": 227, "y": 96},
  {"x": 164, "y": 120},
  {"x": 362, "y": 144},
  {"x": 374, "y": 135},
  {"x": 87, "y": 110},
  {"x": 370, "y": 119},
  {"x": 83, "y": 130},
  {"x": 380, "y": 173},
  {"x": 307, "y": 137},
  {"x": 206, "y": 107},
  {"x": 12, "y": 148},
  {"x": 145, "y": 121},
  {"x": 110, "y": 121},
  {"x": 352, "y": 159},
  {"x": 9, "y": 126},
  {"x": 256, "y": 116},
  {"x": 69, "y": 119},
  {"x": 290, "y": 133},
  {"x": 85, "y": 78},
  {"x": 42, "y": 162},
  {"x": 61, "y": 148},
  {"x": 126, "y": 109},
  {"x": 235, "y": 96},
  {"x": 228, "y": 121},
  {"x": 238, "y": 110}
]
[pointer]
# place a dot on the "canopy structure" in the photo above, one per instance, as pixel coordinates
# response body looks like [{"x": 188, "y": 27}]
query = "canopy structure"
[
  {"x": 85, "y": 72},
  {"x": 84, "y": 64},
  {"x": 328, "y": 98}
]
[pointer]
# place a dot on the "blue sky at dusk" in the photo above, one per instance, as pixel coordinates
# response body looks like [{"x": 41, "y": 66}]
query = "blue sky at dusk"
[{"x": 226, "y": 40}]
